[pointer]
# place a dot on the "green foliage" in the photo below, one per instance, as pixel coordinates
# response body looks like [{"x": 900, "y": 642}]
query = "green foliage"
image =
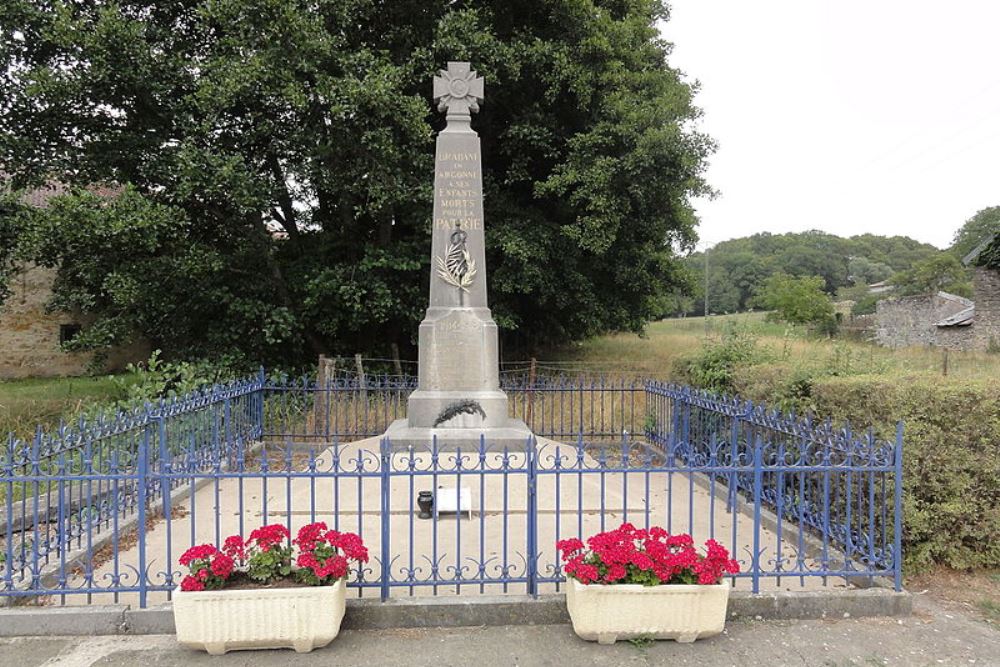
[
  {"x": 10, "y": 209},
  {"x": 943, "y": 272},
  {"x": 989, "y": 258},
  {"x": 797, "y": 300},
  {"x": 866, "y": 305},
  {"x": 739, "y": 267},
  {"x": 983, "y": 225},
  {"x": 230, "y": 119},
  {"x": 713, "y": 366},
  {"x": 951, "y": 467},
  {"x": 156, "y": 379},
  {"x": 270, "y": 565},
  {"x": 863, "y": 271}
]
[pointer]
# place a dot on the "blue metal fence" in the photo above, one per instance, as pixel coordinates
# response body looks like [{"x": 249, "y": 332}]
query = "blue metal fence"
[{"x": 101, "y": 511}]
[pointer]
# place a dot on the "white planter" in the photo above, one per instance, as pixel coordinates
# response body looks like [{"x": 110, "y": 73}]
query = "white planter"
[
  {"x": 299, "y": 618},
  {"x": 613, "y": 612}
]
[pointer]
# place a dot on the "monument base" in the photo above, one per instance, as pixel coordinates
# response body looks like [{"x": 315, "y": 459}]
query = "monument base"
[{"x": 514, "y": 436}]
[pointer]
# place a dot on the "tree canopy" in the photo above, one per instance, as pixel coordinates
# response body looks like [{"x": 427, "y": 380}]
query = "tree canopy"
[
  {"x": 797, "y": 300},
  {"x": 943, "y": 272},
  {"x": 738, "y": 268},
  {"x": 278, "y": 162},
  {"x": 977, "y": 229}
]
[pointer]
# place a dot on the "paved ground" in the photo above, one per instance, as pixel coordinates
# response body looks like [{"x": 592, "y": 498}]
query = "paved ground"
[
  {"x": 934, "y": 635},
  {"x": 494, "y": 534}
]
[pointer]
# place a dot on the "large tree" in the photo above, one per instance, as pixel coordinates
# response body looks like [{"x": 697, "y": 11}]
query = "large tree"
[{"x": 279, "y": 155}]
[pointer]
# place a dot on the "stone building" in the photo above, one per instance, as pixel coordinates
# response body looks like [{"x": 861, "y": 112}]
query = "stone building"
[
  {"x": 946, "y": 320},
  {"x": 31, "y": 337},
  {"x": 914, "y": 320}
]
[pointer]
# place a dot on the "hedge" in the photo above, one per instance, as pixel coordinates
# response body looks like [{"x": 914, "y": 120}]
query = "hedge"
[{"x": 951, "y": 453}]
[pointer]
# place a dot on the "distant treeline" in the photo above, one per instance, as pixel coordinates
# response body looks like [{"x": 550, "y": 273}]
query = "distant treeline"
[{"x": 737, "y": 268}]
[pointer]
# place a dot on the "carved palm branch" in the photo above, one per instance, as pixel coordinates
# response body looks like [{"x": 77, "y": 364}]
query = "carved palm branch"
[{"x": 457, "y": 267}]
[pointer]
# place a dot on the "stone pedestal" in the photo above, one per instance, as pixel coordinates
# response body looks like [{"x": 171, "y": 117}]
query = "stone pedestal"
[{"x": 458, "y": 399}]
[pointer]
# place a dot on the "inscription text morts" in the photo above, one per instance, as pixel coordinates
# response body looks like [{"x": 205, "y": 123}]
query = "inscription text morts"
[{"x": 459, "y": 191}]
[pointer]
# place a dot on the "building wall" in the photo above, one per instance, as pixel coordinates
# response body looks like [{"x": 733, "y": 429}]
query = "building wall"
[
  {"x": 29, "y": 336},
  {"x": 956, "y": 338},
  {"x": 911, "y": 321},
  {"x": 986, "y": 329}
]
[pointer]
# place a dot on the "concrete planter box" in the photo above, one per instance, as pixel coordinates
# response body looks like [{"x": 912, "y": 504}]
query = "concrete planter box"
[
  {"x": 627, "y": 611},
  {"x": 299, "y": 618}
]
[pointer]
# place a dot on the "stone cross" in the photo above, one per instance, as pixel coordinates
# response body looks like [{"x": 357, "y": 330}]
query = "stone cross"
[{"x": 458, "y": 91}]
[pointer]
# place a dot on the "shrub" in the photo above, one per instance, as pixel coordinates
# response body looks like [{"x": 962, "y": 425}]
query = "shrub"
[
  {"x": 713, "y": 366},
  {"x": 951, "y": 454}
]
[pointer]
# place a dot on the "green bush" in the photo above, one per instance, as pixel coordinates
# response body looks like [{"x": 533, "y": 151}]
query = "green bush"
[
  {"x": 951, "y": 454},
  {"x": 713, "y": 366}
]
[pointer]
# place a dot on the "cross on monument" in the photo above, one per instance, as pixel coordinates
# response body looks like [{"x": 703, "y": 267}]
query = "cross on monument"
[{"x": 458, "y": 91}]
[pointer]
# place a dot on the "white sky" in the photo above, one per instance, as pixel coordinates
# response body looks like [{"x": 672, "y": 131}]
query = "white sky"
[{"x": 849, "y": 116}]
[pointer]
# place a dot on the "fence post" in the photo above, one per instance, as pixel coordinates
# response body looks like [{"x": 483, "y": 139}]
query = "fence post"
[
  {"x": 529, "y": 408},
  {"x": 686, "y": 419},
  {"x": 259, "y": 407},
  {"x": 532, "y": 537},
  {"x": 897, "y": 538},
  {"x": 166, "y": 487},
  {"x": 142, "y": 461},
  {"x": 758, "y": 483},
  {"x": 227, "y": 430},
  {"x": 734, "y": 446},
  {"x": 386, "y": 463}
]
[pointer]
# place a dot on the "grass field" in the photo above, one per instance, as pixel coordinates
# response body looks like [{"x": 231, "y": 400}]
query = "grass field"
[
  {"x": 655, "y": 353},
  {"x": 25, "y": 403}
]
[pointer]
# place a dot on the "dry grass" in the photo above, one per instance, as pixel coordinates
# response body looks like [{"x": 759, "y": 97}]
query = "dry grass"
[{"x": 655, "y": 353}]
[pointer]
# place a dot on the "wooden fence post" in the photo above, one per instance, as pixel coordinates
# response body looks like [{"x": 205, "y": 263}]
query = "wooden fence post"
[
  {"x": 361, "y": 377},
  {"x": 395, "y": 360},
  {"x": 325, "y": 373}
]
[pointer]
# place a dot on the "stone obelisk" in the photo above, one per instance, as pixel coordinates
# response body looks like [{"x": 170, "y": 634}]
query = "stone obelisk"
[{"x": 458, "y": 398}]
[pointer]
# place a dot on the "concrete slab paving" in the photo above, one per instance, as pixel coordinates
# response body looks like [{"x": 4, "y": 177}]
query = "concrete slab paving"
[
  {"x": 933, "y": 636},
  {"x": 490, "y": 541}
]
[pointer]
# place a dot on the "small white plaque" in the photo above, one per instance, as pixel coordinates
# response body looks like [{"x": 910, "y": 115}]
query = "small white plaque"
[{"x": 446, "y": 499}]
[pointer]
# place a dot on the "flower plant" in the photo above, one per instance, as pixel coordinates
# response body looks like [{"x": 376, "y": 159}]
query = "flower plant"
[
  {"x": 630, "y": 555},
  {"x": 210, "y": 568},
  {"x": 266, "y": 557},
  {"x": 324, "y": 554}
]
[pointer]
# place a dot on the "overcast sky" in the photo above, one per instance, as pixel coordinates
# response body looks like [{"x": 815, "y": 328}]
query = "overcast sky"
[{"x": 849, "y": 116}]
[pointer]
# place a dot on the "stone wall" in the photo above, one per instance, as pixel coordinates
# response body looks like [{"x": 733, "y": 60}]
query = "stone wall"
[
  {"x": 29, "y": 336},
  {"x": 911, "y": 320},
  {"x": 986, "y": 329}
]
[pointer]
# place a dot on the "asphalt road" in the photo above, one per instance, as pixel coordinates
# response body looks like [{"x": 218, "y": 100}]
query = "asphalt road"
[{"x": 934, "y": 636}]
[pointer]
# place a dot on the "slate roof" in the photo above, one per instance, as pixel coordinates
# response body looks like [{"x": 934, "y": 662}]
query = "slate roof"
[
  {"x": 962, "y": 318},
  {"x": 948, "y": 296}
]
